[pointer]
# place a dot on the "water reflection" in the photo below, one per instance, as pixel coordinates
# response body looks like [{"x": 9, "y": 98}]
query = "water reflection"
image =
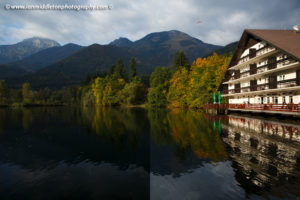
[
  {"x": 265, "y": 154},
  {"x": 54, "y": 153},
  {"x": 113, "y": 153}
]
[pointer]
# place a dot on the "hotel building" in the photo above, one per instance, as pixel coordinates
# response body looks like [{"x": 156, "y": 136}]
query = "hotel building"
[{"x": 264, "y": 69}]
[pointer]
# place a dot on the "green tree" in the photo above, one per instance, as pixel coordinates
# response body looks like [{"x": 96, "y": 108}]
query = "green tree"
[
  {"x": 3, "y": 93},
  {"x": 133, "y": 93},
  {"x": 160, "y": 76},
  {"x": 180, "y": 60},
  {"x": 159, "y": 83},
  {"x": 132, "y": 69},
  {"x": 119, "y": 70}
]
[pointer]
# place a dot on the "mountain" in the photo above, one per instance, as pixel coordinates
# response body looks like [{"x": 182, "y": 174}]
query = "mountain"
[
  {"x": 228, "y": 49},
  {"x": 47, "y": 57},
  {"x": 159, "y": 48},
  {"x": 15, "y": 52},
  {"x": 75, "y": 68},
  {"x": 155, "y": 49},
  {"x": 121, "y": 42},
  {"x": 8, "y": 71}
]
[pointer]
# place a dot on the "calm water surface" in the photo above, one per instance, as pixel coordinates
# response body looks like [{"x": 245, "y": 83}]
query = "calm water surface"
[{"x": 73, "y": 153}]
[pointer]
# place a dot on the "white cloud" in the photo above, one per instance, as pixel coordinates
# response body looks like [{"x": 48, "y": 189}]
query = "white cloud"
[{"x": 221, "y": 21}]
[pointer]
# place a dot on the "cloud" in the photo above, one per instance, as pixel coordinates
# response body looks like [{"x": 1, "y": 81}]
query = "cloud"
[{"x": 222, "y": 22}]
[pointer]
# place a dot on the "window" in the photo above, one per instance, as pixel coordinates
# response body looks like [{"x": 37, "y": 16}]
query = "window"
[
  {"x": 276, "y": 100},
  {"x": 281, "y": 77},
  {"x": 291, "y": 100}
]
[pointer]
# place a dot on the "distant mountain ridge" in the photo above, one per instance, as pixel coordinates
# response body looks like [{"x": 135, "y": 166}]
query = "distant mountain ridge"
[
  {"x": 121, "y": 42},
  {"x": 155, "y": 49},
  {"x": 226, "y": 50},
  {"x": 47, "y": 57},
  {"x": 16, "y": 52}
]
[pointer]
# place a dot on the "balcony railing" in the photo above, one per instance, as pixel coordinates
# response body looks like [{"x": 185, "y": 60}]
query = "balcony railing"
[
  {"x": 245, "y": 89},
  {"x": 287, "y": 83},
  {"x": 267, "y": 107},
  {"x": 263, "y": 68},
  {"x": 293, "y": 108},
  {"x": 280, "y": 84},
  {"x": 258, "y": 52}
]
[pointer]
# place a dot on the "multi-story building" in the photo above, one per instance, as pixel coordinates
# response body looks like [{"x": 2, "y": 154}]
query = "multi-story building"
[{"x": 264, "y": 69}]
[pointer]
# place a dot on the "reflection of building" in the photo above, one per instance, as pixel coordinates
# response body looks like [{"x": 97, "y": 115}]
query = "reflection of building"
[
  {"x": 265, "y": 153},
  {"x": 265, "y": 69}
]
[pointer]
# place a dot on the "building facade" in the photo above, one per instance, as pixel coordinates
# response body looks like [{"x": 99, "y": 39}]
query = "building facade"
[{"x": 264, "y": 69}]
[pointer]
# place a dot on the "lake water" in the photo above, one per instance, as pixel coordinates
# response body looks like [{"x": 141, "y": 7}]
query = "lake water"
[{"x": 113, "y": 153}]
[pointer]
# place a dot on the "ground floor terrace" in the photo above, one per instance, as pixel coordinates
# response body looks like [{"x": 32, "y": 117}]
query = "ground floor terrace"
[{"x": 283, "y": 109}]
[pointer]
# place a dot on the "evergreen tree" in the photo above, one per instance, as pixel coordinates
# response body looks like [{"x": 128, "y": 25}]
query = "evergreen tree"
[
  {"x": 133, "y": 70},
  {"x": 119, "y": 70},
  {"x": 180, "y": 60},
  {"x": 3, "y": 93},
  {"x": 111, "y": 70}
]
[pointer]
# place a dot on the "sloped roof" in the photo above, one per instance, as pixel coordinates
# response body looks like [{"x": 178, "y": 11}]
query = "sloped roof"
[{"x": 286, "y": 40}]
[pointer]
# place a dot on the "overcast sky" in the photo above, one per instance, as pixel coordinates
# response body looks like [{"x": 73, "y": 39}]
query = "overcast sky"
[{"x": 212, "y": 21}]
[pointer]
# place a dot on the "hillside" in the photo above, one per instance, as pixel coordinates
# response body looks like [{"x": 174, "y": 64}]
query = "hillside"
[
  {"x": 47, "y": 57},
  {"x": 16, "y": 52},
  {"x": 155, "y": 49},
  {"x": 228, "y": 49},
  {"x": 74, "y": 69}
]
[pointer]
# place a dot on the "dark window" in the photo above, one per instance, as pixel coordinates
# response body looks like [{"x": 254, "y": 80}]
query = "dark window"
[
  {"x": 298, "y": 77},
  {"x": 272, "y": 63},
  {"x": 253, "y": 69},
  {"x": 252, "y": 53},
  {"x": 253, "y": 85},
  {"x": 273, "y": 82},
  {"x": 237, "y": 88}
]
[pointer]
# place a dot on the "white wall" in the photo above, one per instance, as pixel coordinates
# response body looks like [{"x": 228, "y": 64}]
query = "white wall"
[{"x": 258, "y": 45}]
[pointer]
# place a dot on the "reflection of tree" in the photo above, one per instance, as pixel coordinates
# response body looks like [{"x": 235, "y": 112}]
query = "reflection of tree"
[
  {"x": 159, "y": 126},
  {"x": 189, "y": 130},
  {"x": 116, "y": 124},
  {"x": 27, "y": 119}
]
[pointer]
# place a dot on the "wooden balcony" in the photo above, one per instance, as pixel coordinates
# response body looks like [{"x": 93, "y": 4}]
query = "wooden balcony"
[
  {"x": 289, "y": 83},
  {"x": 263, "y": 69}
]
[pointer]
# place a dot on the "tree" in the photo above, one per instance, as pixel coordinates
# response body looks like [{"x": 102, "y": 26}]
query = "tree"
[
  {"x": 27, "y": 93},
  {"x": 3, "y": 93},
  {"x": 178, "y": 91},
  {"x": 180, "y": 60},
  {"x": 111, "y": 70},
  {"x": 119, "y": 70},
  {"x": 160, "y": 76},
  {"x": 132, "y": 69},
  {"x": 159, "y": 83},
  {"x": 133, "y": 93}
]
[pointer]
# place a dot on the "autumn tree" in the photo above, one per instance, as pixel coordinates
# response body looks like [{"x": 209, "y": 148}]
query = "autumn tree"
[{"x": 27, "y": 93}]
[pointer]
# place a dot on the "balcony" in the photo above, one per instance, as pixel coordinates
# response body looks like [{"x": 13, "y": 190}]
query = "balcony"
[
  {"x": 254, "y": 55},
  {"x": 295, "y": 108},
  {"x": 245, "y": 89},
  {"x": 287, "y": 83},
  {"x": 277, "y": 86},
  {"x": 282, "y": 64}
]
